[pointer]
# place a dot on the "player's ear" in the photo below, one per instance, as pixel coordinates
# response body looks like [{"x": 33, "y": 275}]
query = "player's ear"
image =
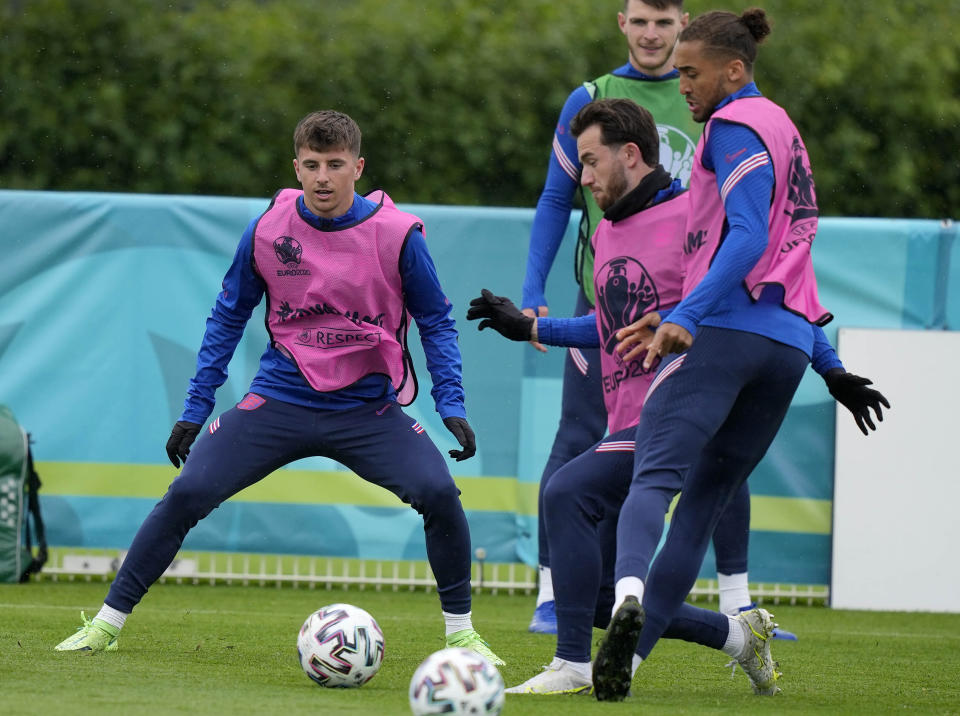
[
  {"x": 359, "y": 171},
  {"x": 735, "y": 70}
]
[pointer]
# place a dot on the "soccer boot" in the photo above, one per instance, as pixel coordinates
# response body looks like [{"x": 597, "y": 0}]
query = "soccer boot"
[
  {"x": 613, "y": 665},
  {"x": 544, "y": 618},
  {"x": 755, "y": 659},
  {"x": 92, "y": 636},
  {"x": 469, "y": 639},
  {"x": 778, "y": 633},
  {"x": 558, "y": 677}
]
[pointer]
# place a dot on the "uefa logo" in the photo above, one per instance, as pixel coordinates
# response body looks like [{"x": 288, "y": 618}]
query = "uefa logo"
[
  {"x": 288, "y": 250},
  {"x": 625, "y": 291}
]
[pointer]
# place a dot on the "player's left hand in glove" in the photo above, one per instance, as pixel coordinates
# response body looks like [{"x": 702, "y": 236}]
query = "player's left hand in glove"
[
  {"x": 181, "y": 438},
  {"x": 852, "y": 391},
  {"x": 464, "y": 434},
  {"x": 501, "y": 315}
]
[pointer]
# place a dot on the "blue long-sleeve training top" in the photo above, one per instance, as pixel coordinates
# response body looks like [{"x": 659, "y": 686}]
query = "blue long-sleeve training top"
[{"x": 279, "y": 378}]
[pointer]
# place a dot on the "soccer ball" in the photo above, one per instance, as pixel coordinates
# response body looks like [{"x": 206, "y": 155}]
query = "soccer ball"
[
  {"x": 340, "y": 645},
  {"x": 456, "y": 681}
]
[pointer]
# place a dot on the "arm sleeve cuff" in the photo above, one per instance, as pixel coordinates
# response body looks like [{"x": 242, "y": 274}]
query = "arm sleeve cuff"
[{"x": 579, "y": 332}]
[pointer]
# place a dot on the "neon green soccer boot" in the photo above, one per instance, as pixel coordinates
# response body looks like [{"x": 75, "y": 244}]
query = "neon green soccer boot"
[
  {"x": 755, "y": 660},
  {"x": 93, "y": 636},
  {"x": 469, "y": 639}
]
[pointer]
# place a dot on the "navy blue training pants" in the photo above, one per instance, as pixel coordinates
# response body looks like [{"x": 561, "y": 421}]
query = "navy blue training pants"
[
  {"x": 583, "y": 422},
  {"x": 709, "y": 421},
  {"x": 378, "y": 442},
  {"x": 582, "y": 503}
]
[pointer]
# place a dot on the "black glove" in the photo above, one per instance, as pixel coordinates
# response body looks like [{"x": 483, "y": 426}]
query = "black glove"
[
  {"x": 852, "y": 391},
  {"x": 464, "y": 434},
  {"x": 501, "y": 315},
  {"x": 181, "y": 438}
]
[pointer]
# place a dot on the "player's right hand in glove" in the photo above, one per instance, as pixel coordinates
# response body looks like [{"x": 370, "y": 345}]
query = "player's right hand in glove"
[
  {"x": 852, "y": 391},
  {"x": 181, "y": 438},
  {"x": 501, "y": 315}
]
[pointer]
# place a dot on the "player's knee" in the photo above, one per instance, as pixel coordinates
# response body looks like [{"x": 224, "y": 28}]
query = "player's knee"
[
  {"x": 437, "y": 496},
  {"x": 564, "y": 506},
  {"x": 189, "y": 499},
  {"x": 561, "y": 495}
]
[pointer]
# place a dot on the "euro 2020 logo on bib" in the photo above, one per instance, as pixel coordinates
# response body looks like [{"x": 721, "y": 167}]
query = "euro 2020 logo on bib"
[
  {"x": 625, "y": 292},
  {"x": 676, "y": 152}
]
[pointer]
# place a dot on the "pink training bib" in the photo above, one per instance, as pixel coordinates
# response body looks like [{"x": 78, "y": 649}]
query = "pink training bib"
[
  {"x": 334, "y": 298},
  {"x": 793, "y": 212},
  {"x": 636, "y": 270}
]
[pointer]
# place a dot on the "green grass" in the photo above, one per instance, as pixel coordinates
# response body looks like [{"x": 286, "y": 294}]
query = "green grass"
[{"x": 231, "y": 649}]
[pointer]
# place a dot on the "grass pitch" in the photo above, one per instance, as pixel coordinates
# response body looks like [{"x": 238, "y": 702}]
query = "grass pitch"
[{"x": 198, "y": 649}]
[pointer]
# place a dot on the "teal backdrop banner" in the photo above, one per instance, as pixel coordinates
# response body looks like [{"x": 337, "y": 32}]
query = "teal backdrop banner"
[{"x": 103, "y": 302}]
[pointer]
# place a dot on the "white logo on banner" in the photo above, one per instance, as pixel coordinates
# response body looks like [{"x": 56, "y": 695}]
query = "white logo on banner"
[{"x": 676, "y": 152}]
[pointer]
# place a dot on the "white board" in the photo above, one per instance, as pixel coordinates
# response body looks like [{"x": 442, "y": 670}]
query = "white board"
[{"x": 896, "y": 504}]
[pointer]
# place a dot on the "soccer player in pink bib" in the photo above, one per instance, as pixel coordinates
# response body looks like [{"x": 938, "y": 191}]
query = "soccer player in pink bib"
[
  {"x": 734, "y": 348},
  {"x": 343, "y": 276}
]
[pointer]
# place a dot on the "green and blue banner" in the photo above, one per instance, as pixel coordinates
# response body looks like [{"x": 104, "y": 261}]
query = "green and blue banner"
[{"x": 103, "y": 302}]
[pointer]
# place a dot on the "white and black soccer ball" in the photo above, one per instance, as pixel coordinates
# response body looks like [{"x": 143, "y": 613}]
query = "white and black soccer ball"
[
  {"x": 456, "y": 681},
  {"x": 340, "y": 645}
]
